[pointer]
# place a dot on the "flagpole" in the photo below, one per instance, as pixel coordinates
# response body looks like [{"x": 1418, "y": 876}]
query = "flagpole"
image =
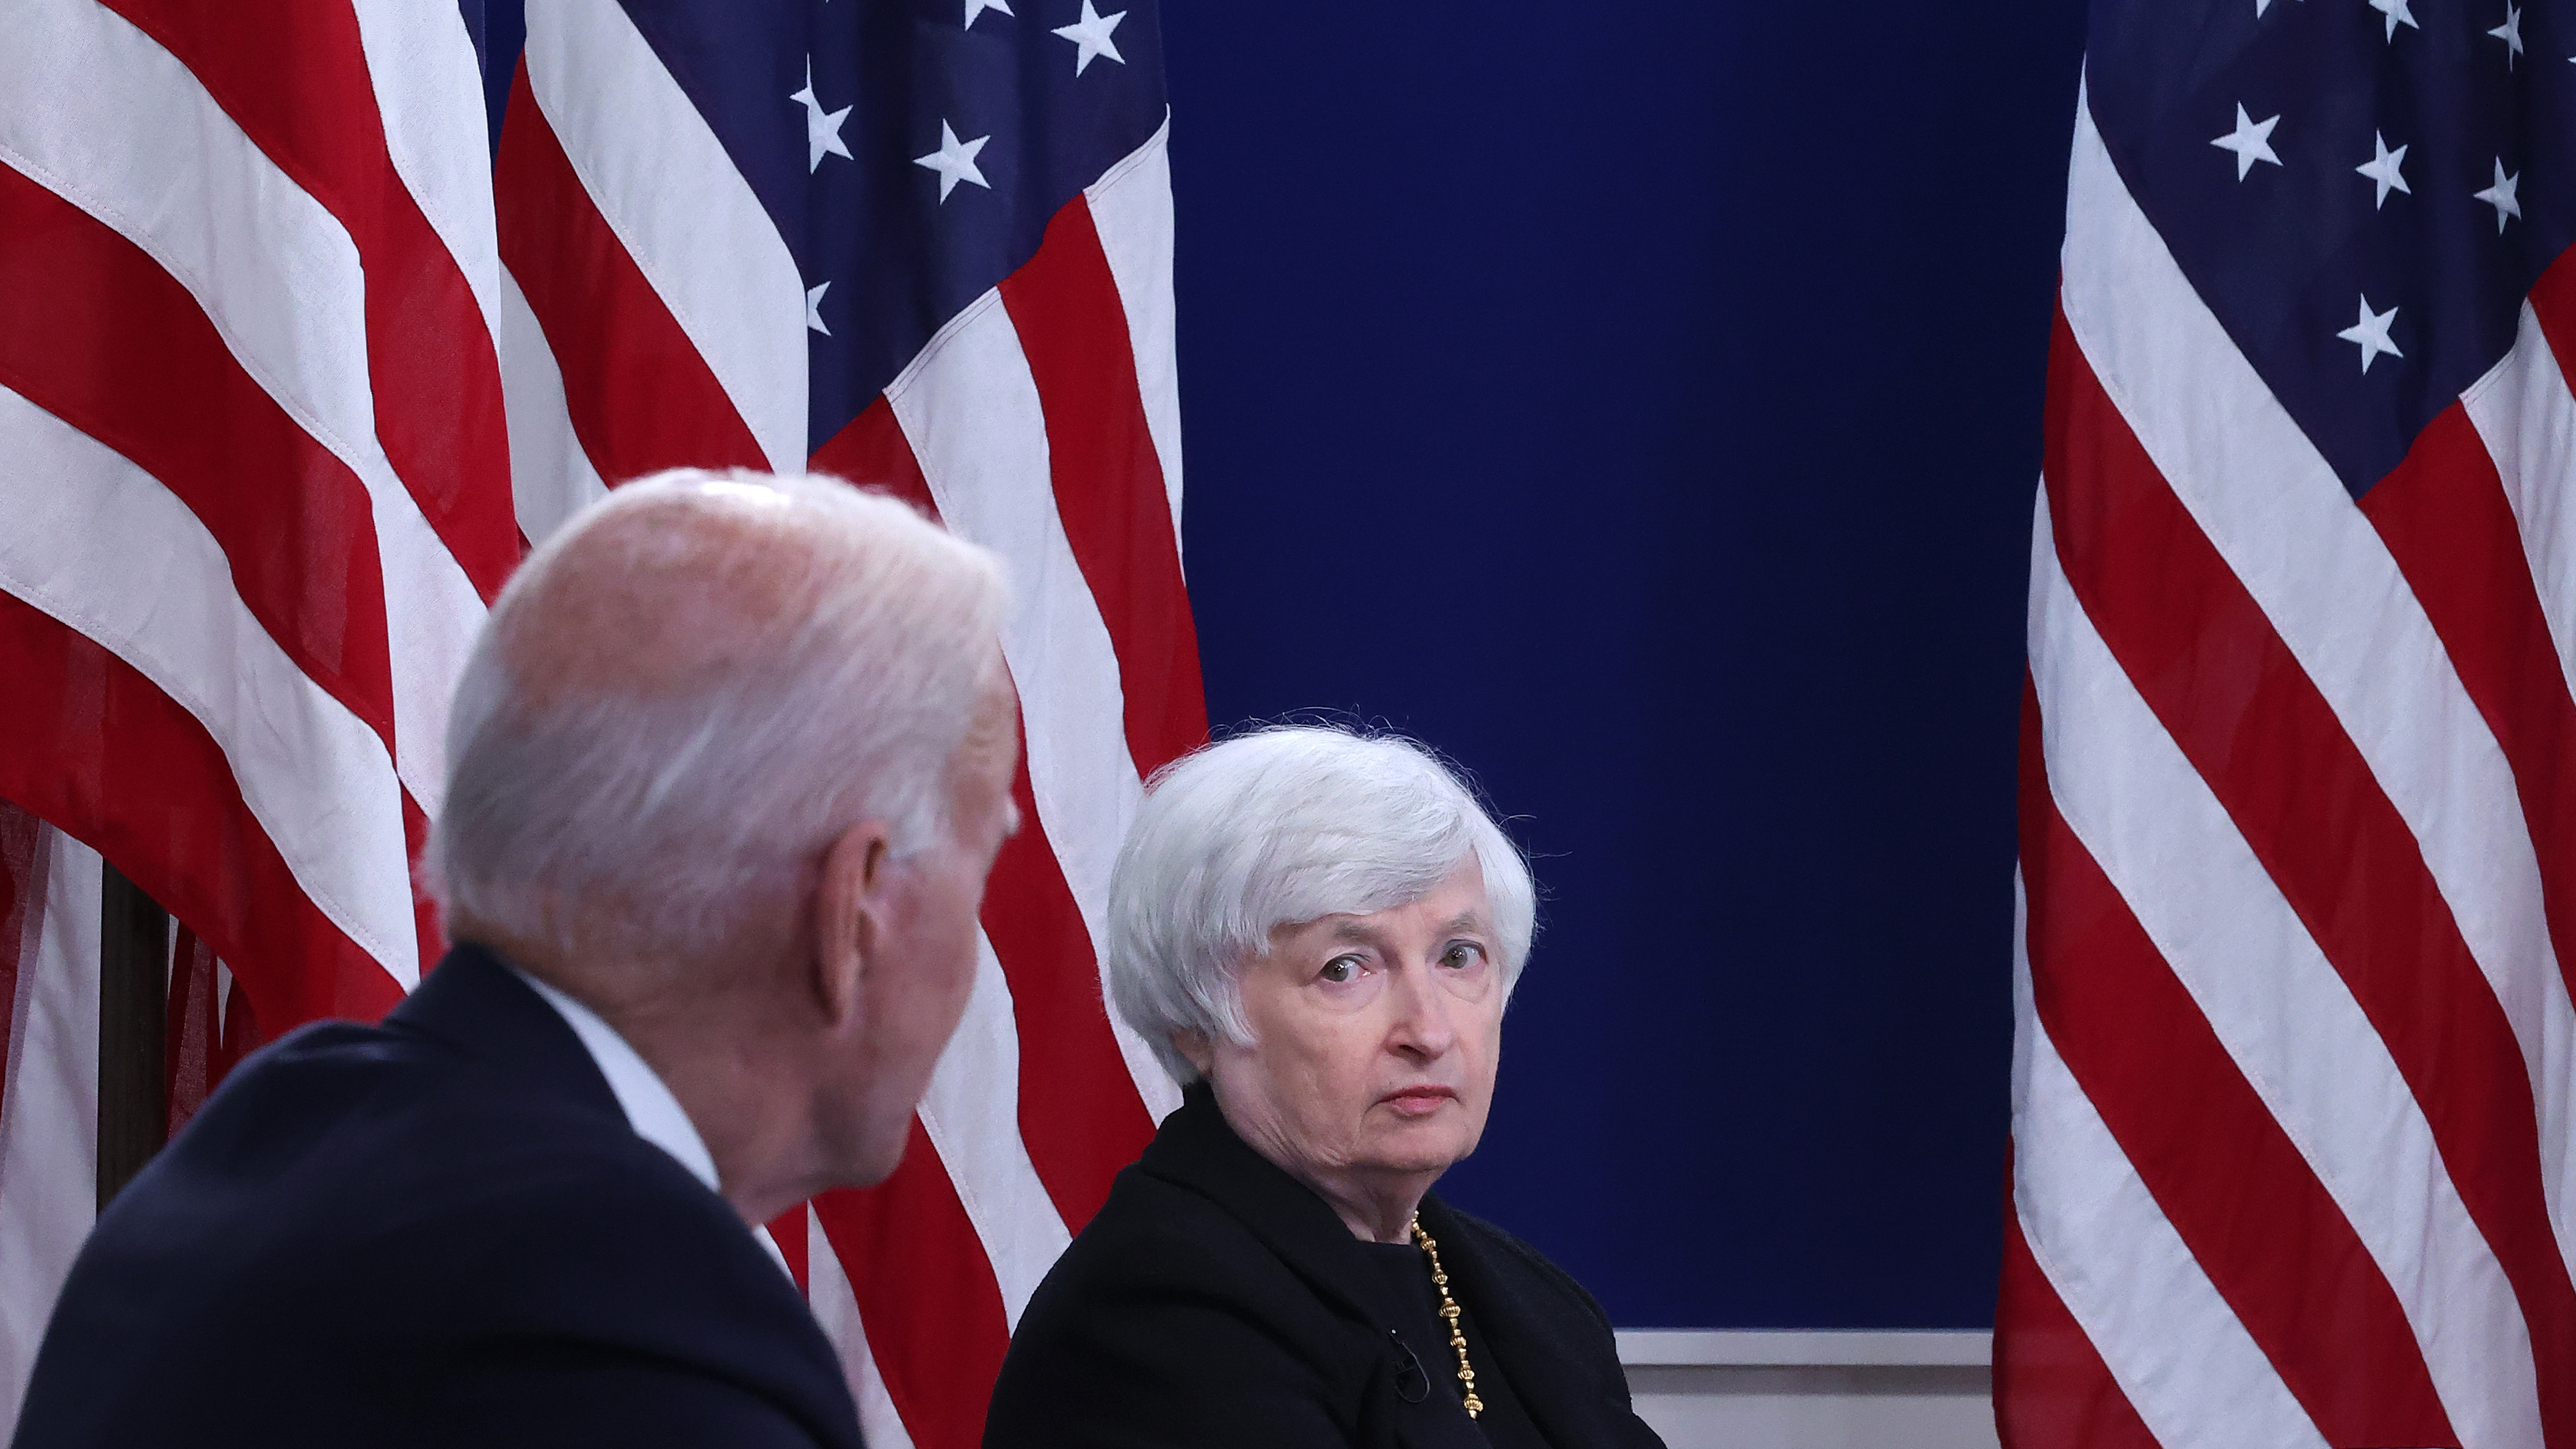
[{"x": 133, "y": 1000}]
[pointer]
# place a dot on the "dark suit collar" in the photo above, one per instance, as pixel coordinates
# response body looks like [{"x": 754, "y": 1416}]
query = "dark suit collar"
[
  {"x": 474, "y": 1002},
  {"x": 1198, "y": 1150}
]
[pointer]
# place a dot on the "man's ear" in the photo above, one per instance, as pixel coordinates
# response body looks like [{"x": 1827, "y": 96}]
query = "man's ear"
[{"x": 849, "y": 919}]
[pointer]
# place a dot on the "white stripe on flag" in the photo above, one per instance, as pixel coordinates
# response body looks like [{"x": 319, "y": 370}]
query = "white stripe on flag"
[
  {"x": 2527, "y": 419},
  {"x": 1131, "y": 208},
  {"x": 972, "y": 1115},
  {"x": 49, "y": 1117},
  {"x": 2281, "y": 519},
  {"x": 2278, "y": 1007},
  {"x": 89, "y": 107},
  {"x": 2188, "y": 1367},
  {"x": 551, "y": 478},
  {"x": 665, "y": 186},
  {"x": 429, "y": 90},
  {"x": 84, "y": 524},
  {"x": 969, "y": 406}
]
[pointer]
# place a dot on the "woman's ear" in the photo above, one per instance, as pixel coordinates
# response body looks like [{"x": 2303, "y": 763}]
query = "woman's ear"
[
  {"x": 849, "y": 925},
  {"x": 1195, "y": 1049}
]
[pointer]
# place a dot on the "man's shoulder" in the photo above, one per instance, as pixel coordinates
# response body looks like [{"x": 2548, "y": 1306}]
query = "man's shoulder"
[
  {"x": 338, "y": 1109},
  {"x": 347, "y": 1144},
  {"x": 373, "y": 1218}
]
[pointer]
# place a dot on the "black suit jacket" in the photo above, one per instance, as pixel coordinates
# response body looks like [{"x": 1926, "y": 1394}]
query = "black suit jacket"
[
  {"x": 439, "y": 1231},
  {"x": 1216, "y": 1300}
]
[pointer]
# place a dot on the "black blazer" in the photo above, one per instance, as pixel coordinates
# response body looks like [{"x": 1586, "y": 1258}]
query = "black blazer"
[
  {"x": 1217, "y": 1301},
  {"x": 440, "y": 1231}
]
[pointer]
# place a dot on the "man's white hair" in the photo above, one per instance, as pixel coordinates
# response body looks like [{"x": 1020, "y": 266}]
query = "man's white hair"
[
  {"x": 1281, "y": 826},
  {"x": 684, "y": 696}
]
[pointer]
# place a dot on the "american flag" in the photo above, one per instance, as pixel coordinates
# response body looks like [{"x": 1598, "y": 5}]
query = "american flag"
[
  {"x": 293, "y": 361},
  {"x": 2294, "y": 1092}
]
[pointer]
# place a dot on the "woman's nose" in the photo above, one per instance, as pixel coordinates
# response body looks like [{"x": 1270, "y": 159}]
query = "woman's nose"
[{"x": 1422, "y": 1025}]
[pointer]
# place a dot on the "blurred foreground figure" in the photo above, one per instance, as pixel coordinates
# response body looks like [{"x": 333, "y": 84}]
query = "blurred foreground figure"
[{"x": 728, "y": 768}]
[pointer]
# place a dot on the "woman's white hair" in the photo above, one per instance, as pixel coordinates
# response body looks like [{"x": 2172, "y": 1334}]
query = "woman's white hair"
[
  {"x": 1285, "y": 825},
  {"x": 689, "y": 691}
]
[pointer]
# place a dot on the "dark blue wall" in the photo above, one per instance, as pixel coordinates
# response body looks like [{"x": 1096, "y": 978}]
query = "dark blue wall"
[{"x": 1640, "y": 402}]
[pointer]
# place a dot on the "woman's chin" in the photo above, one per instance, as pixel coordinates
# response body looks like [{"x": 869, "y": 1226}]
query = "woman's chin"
[{"x": 1428, "y": 1144}]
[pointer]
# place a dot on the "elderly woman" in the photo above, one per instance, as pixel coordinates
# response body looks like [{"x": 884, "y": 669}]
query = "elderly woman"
[{"x": 1316, "y": 932}]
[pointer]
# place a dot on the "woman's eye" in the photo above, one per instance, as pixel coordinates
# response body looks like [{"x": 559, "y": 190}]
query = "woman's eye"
[
  {"x": 1341, "y": 969},
  {"x": 1462, "y": 955}
]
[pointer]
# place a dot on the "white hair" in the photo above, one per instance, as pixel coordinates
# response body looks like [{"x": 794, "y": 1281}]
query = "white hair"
[
  {"x": 689, "y": 691},
  {"x": 1285, "y": 825}
]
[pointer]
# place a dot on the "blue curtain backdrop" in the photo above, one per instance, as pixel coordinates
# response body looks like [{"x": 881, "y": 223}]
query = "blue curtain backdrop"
[{"x": 1640, "y": 402}]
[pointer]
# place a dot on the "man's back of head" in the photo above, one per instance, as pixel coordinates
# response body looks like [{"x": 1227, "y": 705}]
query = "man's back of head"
[
  {"x": 728, "y": 768},
  {"x": 716, "y": 727},
  {"x": 688, "y": 691}
]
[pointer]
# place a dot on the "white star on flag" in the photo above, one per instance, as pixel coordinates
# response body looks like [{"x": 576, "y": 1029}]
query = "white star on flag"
[
  {"x": 814, "y": 309},
  {"x": 2500, "y": 196},
  {"x": 2372, "y": 333},
  {"x": 2397, "y": 11},
  {"x": 2260, "y": 6},
  {"x": 978, "y": 7},
  {"x": 954, "y": 161},
  {"x": 2251, "y": 141},
  {"x": 1090, "y": 36},
  {"x": 2510, "y": 33},
  {"x": 2382, "y": 168},
  {"x": 822, "y": 132}
]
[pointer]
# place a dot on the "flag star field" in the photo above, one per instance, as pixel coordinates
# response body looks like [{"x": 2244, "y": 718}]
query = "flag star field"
[{"x": 910, "y": 155}]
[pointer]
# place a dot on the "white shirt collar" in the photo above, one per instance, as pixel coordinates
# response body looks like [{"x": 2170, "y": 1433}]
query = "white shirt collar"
[{"x": 651, "y": 1110}]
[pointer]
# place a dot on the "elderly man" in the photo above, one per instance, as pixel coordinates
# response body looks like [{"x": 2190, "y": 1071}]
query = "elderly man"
[{"x": 729, "y": 766}]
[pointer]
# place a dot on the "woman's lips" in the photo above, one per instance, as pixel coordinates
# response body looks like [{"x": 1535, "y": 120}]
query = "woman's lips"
[{"x": 1418, "y": 1101}]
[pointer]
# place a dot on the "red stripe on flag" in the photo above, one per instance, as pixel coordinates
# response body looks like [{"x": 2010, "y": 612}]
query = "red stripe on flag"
[
  {"x": 926, "y": 1294},
  {"x": 2445, "y": 518},
  {"x": 873, "y": 453},
  {"x": 294, "y": 77},
  {"x": 787, "y": 1230},
  {"x": 2052, "y": 1390},
  {"x": 192, "y": 1043},
  {"x": 94, "y": 331},
  {"x": 1109, "y": 481},
  {"x": 99, "y": 750},
  {"x": 1079, "y": 1113},
  {"x": 2553, "y": 301},
  {"x": 2206, "y": 659},
  {"x": 2209, "y": 1151},
  {"x": 640, "y": 397}
]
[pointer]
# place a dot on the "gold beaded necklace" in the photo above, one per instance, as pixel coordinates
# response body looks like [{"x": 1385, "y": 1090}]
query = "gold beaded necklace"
[{"x": 1449, "y": 1311}]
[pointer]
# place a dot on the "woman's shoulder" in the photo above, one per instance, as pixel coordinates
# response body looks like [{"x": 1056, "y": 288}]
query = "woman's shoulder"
[
  {"x": 1169, "y": 1321},
  {"x": 1156, "y": 1240},
  {"x": 1554, "y": 1343},
  {"x": 1507, "y": 1256}
]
